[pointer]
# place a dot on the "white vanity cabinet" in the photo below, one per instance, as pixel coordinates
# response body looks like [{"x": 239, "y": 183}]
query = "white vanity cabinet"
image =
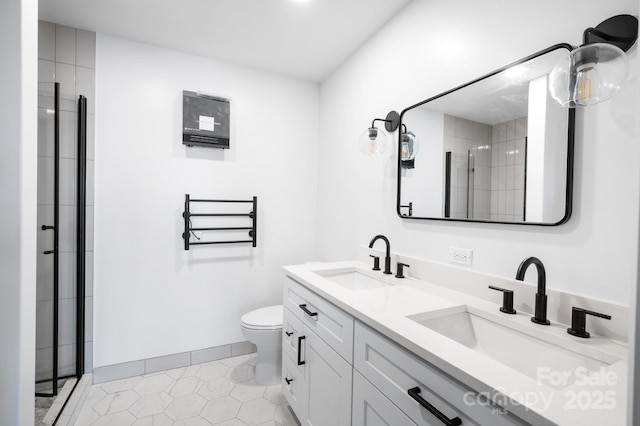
[
  {"x": 422, "y": 392},
  {"x": 372, "y": 408},
  {"x": 338, "y": 371},
  {"x": 317, "y": 377}
]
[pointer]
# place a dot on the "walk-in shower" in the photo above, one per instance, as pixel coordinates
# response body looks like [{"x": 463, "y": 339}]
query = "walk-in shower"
[{"x": 60, "y": 294}]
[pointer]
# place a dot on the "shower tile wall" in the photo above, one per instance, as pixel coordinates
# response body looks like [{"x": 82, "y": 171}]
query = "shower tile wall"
[
  {"x": 67, "y": 56},
  {"x": 491, "y": 161},
  {"x": 469, "y": 142},
  {"x": 508, "y": 170}
]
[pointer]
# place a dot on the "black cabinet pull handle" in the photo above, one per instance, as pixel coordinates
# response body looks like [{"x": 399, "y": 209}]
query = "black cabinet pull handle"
[
  {"x": 415, "y": 394},
  {"x": 300, "y": 339},
  {"x": 288, "y": 380},
  {"x": 308, "y": 312},
  {"x": 289, "y": 333},
  {"x": 48, "y": 252},
  {"x": 47, "y": 227}
]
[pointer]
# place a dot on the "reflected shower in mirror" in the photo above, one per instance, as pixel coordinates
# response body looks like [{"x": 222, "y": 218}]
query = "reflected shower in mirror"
[{"x": 497, "y": 149}]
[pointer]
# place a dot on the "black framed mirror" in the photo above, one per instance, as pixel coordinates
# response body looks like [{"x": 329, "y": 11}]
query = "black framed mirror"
[{"x": 497, "y": 149}]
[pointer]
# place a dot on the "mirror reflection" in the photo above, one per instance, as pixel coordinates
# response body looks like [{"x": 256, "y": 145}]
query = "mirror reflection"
[{"x": 495, "y": 150}]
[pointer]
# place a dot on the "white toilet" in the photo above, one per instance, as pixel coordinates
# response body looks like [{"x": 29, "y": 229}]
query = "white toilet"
[{"x": 263, "y": 328}]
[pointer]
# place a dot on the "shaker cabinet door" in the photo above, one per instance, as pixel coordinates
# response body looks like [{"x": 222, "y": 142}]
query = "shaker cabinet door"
[{"x": 328, "y": 379}]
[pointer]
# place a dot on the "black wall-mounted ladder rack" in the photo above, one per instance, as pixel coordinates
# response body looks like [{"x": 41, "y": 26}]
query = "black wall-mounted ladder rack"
[{"x": 188, "y": 229}]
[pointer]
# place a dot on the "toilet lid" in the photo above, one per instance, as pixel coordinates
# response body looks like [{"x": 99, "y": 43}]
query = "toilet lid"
[{"x": 268, "y": 318}]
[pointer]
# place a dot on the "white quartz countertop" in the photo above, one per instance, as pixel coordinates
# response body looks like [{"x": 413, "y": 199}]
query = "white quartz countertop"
[{"x": 600, "y": 400}]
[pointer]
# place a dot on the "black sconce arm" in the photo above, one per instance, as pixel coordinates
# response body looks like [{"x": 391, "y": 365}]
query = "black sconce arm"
[
  {"x": 391, "y": 121},
  {"x": 608, "y": 37},
  {"x": 373, "y": 122}
]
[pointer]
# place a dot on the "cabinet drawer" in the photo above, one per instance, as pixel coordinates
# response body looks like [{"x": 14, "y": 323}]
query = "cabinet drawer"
[
  {"x": 371, "y": 408},
  {"x": 333, "y": 325},
  {"x": 394, "y": 370},
  {"x": 292, "y": 331},
  {"x": 293, "y": 386}
]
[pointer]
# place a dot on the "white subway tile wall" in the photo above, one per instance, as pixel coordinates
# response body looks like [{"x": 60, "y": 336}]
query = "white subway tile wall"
[
  {"x": 508, "y": 175},
  {"x": 488, "y": 168}
]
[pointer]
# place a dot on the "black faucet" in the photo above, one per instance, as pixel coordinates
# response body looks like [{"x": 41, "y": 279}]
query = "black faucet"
[
  {"x": 387, "y": 259},
  {"x": 540, "y": 316}
]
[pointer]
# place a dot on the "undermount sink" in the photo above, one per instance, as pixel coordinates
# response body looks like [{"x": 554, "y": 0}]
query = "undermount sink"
[
  {"x": 529, "y": 355},
  {"x": 353, "y": 279}
]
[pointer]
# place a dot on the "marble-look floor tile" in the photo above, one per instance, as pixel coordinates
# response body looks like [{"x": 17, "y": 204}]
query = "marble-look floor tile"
[
  {"x": 257, "y": 411},
  {"x": 116, "y": 402},
  {"x": 153, "y": 383},
  {"x": 150, "y": 404},
  {"x": 216, "y": 388},
  {"x": 118, "y": 419},
  {"x": 121, "y": 385},
  {"x": 193, "y": 421},
  {"x": 182, "y": 372},
  {"x": 155, "y": 420},
  {"x": 185, "y": 407},
  {"x": 86, "y": 417},
  {"x": 232, "y": 422},
  {"x": 221, "y": 409},
  {"x": 221, "y": 393},
  {"x": 247, "y": 391},
  {"x": 212, "y": 371},
  {"x": 95, "y": 395},
  {"x": 240, "y": 373},
  {"x": 283, "y": 415},
  {"x": 184, "y": 386},
  {"x": 274, "y": 394}
]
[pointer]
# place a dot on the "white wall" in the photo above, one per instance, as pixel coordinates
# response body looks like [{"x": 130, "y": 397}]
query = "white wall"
[
  {"x": 424, "y": 185},
  {"x": 152, "y": 297},
  {"x": 430, "y": 47},
  {"x": 18, "y": 166}
]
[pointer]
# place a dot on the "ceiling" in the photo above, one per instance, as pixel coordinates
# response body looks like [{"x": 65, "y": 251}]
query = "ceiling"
[
  {"x": 501, "y": 97},
  {"x": 307, "y": 39}
]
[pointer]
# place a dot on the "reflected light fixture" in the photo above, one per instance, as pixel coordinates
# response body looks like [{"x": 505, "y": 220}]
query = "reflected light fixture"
[
  {"x": 374, "y": 141},
  {"x": 594, "y": 72},
  {"x": 408, "y": 146}
]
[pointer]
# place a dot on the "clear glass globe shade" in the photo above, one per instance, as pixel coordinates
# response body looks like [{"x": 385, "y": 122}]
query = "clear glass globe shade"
[
  {"x": 590, "y": 74},
  {"x": 409, "y": 146},
  {"x": 373, "y": 141}
]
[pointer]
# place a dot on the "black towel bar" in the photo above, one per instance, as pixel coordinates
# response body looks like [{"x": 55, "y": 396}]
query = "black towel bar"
[{"x": 188, "y": 229}]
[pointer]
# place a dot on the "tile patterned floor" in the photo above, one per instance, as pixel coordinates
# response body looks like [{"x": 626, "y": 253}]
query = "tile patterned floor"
[{"x": 216, "y": 393}]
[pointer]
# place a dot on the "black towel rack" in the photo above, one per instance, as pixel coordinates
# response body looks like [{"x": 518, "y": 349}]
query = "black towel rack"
[{"x": 188, "y": 229}]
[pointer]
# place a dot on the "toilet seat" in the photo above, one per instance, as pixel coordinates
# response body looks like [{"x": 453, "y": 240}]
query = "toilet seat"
[{"x": 269, "y": 318}]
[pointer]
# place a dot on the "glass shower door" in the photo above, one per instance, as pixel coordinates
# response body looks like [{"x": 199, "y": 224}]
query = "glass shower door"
[
  {"x": 61, "y": 247},
  {"x": 47, "y": 290}
]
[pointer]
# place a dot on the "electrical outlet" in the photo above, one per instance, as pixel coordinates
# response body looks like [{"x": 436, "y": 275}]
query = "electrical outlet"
[{"x": 462, "y": 256}]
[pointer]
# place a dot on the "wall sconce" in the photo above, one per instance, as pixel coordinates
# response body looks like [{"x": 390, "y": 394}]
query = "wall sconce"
[
  {"x": 594, "y": 72},
  {"x": 373, "y": 141}
]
